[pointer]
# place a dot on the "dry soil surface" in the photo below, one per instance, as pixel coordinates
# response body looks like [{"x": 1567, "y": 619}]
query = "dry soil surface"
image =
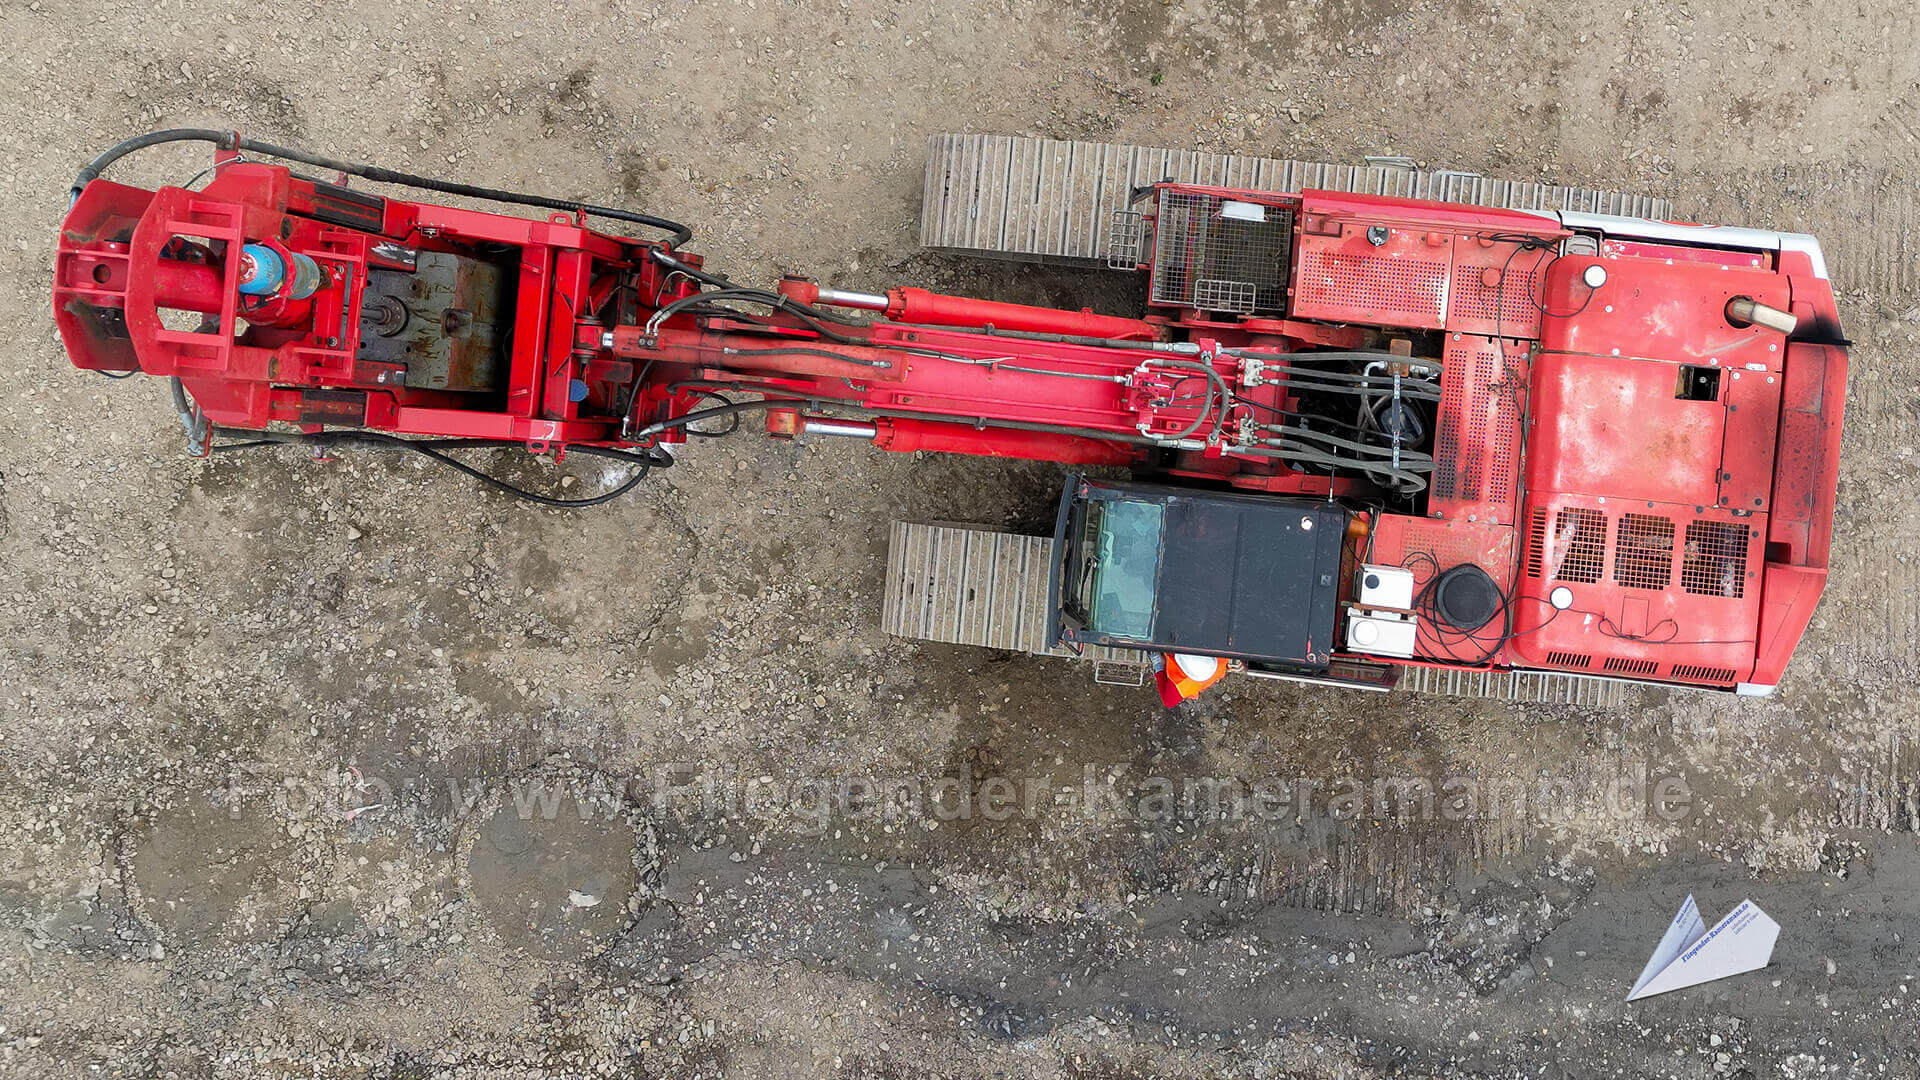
[{"x": 354, "y": 769}]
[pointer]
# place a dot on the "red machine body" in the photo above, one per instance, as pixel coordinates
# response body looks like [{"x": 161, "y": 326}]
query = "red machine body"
[{"x": 1564, "y": 400}]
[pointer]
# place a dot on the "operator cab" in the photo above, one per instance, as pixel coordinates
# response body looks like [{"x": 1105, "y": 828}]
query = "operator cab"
[{"x": 1253, "y": 578}]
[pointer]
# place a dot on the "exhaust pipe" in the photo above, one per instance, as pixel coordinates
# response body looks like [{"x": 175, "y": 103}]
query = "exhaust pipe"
[{"x": 1746, "y": 311}]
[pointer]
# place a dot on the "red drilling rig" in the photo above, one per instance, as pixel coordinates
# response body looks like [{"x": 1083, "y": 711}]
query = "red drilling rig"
[{"x": 1366, "y": 434}]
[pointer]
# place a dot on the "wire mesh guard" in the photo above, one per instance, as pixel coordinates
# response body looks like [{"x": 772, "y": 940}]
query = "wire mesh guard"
[
  {"x": 1643, "y": 551},
  {"x": 1125, "y": 234},
  {"x": 1573, "y": 549},
  {"x": 1217, "y": 254},
  {"x": 1716, "y": 558}
]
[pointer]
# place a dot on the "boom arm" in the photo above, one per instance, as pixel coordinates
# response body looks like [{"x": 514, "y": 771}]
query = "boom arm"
[{"x": 433, "y": 321}]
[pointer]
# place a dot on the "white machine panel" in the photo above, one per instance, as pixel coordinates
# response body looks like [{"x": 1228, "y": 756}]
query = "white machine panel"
[
  {"x": 1386, "y": 587},
  {"x": 1381, "y": 633}
]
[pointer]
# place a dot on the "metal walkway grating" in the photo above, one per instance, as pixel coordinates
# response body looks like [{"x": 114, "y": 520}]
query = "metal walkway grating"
[
  {"x": 1050, "y": 200},
  {"x": 1535, "y": 687},
  {"x": 972, "y": 585}
]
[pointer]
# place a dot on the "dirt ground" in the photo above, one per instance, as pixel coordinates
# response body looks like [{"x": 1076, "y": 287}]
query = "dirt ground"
[{"x": 354, "y": 769}]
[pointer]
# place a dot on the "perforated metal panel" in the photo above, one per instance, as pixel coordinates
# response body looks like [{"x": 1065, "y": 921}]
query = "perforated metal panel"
[
  {"x": 1502, "y": 308},
  {"x": 1506, "y": 308},
  {"x": 1448, "y": 544},
  {"x": 1204, "y": 259},
  {"x": 1477, "y": 438},
  {"x": 1374, "y": 289},
  {"x": 1657, "y": 592}
]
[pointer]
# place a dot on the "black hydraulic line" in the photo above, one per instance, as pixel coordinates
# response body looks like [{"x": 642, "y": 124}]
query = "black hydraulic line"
[
  {"x": 222, "y": 139},
  {"x": 1088, "y": 375},
  {"x": 730, "y": 292},
  {"x": 1407, "y": 473},
  {"x": 779, "y": 302},
  {"x": 814, "y": 319},
  {"x": 1216, "y": 384},
  {"x": 801, "y": 350},
  {"x": 228, "y": 140},
  {"x": 1379, "y": 382},
  {"x": 721, "y": 281},
  {"x": 1412, "y": 390},
  {"x": 667, "y": 260},
  {"x": 435, "y": 449},
  {"x": 1290, "y": 432},
  {"x": 629, "y": 457},
  {"x": 1322, "y": 455},
  {"x": 1200, "y": 416},
  {"x": 729, "y": 409},
  {"x": 1331, "y": 355},
  {"x": 1406, "y": 476}
]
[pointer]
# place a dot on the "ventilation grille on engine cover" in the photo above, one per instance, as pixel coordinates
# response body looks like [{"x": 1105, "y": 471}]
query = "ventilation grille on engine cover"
[
  {"x": 1570, "y": 544},
  {"x": 1210, "y": 255},
  {"x": 1716, "y": 559},
  {"x": 1703, "y": 673},
  {"x": 1643, "y": 551},
  {"x": 1573, "y": 549}
]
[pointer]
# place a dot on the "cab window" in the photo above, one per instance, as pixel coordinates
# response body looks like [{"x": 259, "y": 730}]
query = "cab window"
[{"x": 1116, "y": 565}]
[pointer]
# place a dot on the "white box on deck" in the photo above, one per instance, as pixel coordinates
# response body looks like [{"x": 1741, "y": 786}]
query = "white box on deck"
[
  {"x": 1381, "y": 633},
  {"x": 1386, "y": 587}
]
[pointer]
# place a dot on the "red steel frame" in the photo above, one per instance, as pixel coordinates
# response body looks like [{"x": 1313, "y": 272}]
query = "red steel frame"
[{"x": 1550, "y": 405}]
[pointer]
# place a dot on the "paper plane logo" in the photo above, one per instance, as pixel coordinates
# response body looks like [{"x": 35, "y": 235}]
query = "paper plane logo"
[{"x": 1690, "y": 954}]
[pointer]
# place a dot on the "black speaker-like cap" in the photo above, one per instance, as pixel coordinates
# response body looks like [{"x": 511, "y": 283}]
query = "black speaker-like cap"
[{"x": 1466, "y": 598}]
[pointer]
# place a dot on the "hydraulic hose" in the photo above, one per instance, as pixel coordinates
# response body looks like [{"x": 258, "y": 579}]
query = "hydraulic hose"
[
  {"x": 229, "y": 140},
  {"x": 642, "y": 463},
  {"x": 730, "y": 409}
]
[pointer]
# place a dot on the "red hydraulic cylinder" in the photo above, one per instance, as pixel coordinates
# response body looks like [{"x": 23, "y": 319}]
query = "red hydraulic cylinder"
[
  {"x": 940, "y": 309},
  {"x": 187, "y": 286},
  {"x": 903, "y": 435},
  {"x": 920, "y": 306},
  {"x": 746, "y": 353}
]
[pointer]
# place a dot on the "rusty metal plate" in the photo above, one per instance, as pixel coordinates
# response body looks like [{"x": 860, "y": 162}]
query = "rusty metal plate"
[{"x": 442, "y": 322}]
